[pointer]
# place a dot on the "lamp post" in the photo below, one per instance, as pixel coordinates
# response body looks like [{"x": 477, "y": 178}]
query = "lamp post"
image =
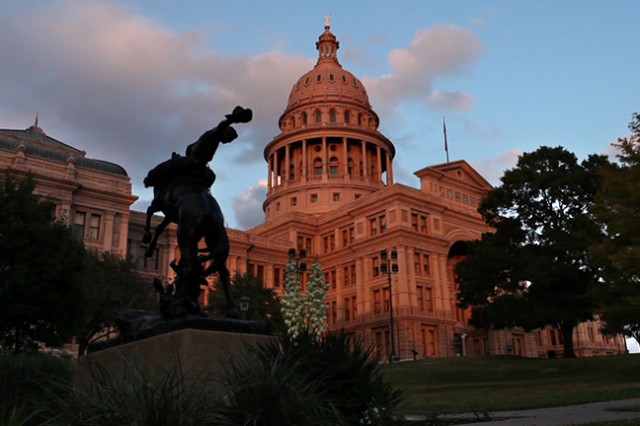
[
  {"x": 298, "y": 258},
  {"x": 388, "y": 266},
  {"x": 244, "y": 306}
]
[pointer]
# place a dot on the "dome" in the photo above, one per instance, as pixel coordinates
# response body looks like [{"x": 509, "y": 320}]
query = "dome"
[{"x": 327, "y": 80}]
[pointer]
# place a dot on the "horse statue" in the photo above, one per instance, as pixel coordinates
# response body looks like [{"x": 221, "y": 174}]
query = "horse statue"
[{"x": 181, "y": 192}]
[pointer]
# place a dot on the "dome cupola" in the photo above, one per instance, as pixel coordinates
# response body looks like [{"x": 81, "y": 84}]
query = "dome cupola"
[{"x": 329, "y": 151}]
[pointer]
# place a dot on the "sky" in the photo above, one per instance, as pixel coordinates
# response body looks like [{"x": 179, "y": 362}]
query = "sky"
[{"x": 131, "y": 81}]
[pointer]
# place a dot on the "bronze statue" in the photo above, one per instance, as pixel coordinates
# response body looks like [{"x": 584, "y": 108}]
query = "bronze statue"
[{"x": 181, "y": 192}]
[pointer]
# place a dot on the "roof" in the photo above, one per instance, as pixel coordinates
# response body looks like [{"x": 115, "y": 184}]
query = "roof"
[{"x": 37, "y": 143}]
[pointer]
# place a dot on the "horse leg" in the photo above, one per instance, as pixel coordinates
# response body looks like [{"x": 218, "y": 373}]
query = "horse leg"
[
  {"x": 218, "y": 245},
  {"x": 147, "y": 225},
  {"x": 156, "y": 234}
]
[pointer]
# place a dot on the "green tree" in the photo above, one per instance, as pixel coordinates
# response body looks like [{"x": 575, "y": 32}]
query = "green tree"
[
  {"x": 113, "y": 284},
  {"x": 304, "y": 312},
  {"x": 617, "y": 254},
  {"x": 42, "y": 297},
  {"x": 533, "y": 270},
  {"x": 264, "y": 303}
]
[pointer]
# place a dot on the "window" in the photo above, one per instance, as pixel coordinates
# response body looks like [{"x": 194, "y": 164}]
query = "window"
[
  {"x": 318, "y": 114},
  {"x": 332, "y": 115},
  {"x": 94, "y": 227},
  {"x": 79, "y": 224},
  {"x": 314, "y": 198},
  {"x": 347, "y": 310},
  {"x": 149, "y": 263},
  {"x": 375, "y": 266},
  {"x": 378, "y": 224},
  {"x": 347, "y": 117},
  {"x": 336, "y": 196},
  {"x": 317, "y": 168},
  {"x": 277, "y": 277},
  {"x": 294, "y": 201},
  {"x": 304, "y": 118},
  {"x": 333, "y": 166},
  {"x": 419, "y": 222},
  {"x": 377, "y": 302},
  {"x": 421, "y": 263}
]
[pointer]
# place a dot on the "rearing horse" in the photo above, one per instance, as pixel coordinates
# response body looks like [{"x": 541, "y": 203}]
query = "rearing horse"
[{"x": 181, "y": 192}]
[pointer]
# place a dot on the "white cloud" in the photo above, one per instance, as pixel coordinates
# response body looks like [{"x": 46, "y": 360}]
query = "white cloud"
[
  {"x": 442, "y": 50},
  {"x": 443, "y": 100},
  {"x": 247, "y": 205},
  {"x": 492, "y": 169},
  {"x": 125, "y": 89}
]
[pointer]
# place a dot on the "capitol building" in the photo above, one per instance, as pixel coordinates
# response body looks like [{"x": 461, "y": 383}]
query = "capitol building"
[{"x": 387, "y": 250}]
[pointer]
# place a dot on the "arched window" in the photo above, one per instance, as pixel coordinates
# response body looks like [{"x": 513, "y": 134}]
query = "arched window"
[
  {"x": 359, "y": 119},
  {"x": 332, "y": 115},
  {"x": 304, "y": 118},
  {"x": 347, "y": 116},
  {"x": 333, "y": 166},
  {"x": 317, "y": 168},
  {"x": 318, "y": 116}
]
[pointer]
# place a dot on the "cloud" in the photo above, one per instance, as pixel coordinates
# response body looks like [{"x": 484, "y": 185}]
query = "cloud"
[
  {"x": 247, "y": 206},
  {"x": 127, "y": 90},
  {"x": 492, "y": 169},
  {"x": 442, "y": 50},
  {"x": 443, "y": 100}
]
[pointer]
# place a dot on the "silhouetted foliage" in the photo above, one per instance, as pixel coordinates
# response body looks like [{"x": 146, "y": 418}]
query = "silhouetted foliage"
[
  {"x": 617, "y": 254},
  {"x": 113, "y": 284},
  {"x": 264, "y": 303},
  {"x": 534, "y": 271},
  {"x": 42, "y": 297}
]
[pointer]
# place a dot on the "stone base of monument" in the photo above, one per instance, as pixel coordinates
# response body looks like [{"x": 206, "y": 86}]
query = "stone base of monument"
[{"x": 192, "y": 351}]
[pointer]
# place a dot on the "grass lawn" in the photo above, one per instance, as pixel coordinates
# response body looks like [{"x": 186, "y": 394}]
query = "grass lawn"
[{"x": 482, "y": 384}]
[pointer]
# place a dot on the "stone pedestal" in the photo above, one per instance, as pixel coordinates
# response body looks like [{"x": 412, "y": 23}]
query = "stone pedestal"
[{"x": 190, "y": 350}]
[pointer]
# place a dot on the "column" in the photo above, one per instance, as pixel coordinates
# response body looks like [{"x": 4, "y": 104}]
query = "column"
[
  {"x": 276, "y": 170},
  {"x": 389, "y": 168},
  {"x": 287, "y": 163},
  {"x": 365, "y": 163},
  {"x": 378, "y": 178},
  {"x": 325, "y": 159},
  {"x": 304, "y": 161},
  {"x": 345, "y": 158},
  {"x": 107, "y": 243}
]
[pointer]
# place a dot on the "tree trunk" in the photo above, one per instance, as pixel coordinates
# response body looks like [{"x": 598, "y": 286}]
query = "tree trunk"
[{"x": 567, "y": 339}]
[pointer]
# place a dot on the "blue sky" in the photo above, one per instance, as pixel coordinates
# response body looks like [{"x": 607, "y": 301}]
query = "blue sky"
[{"x": 131, "y": 81}]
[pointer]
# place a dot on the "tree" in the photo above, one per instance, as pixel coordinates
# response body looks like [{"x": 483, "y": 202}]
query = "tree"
[
  {"x": 617, "y": 254},
  {"x": 264, "y": 304},
  {"x": 42, "y": 298},
  {"x": 113, "y": 284},
  {"x": 533, "y": 271},
  {"x": 304, "y": 313}
]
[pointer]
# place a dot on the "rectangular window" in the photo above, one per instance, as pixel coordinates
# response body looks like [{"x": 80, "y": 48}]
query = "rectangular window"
[
  {"x": 336, "y": 196},
  {"x": 385, "y": 295},
  {"x": 347, "y": 310},
  {"x": 314, "y": 198},
  {"x": 94, "y": 227},
  {"x": 276, "y": 277},
  {"x": 428, "y": 300},
  {"x": 375, "y": 264},
  {"x": 420, "y": 295},
  {"x": 373, "y": 226},
  {"x": 377, "y": 302},
  {"x": 79, "y": 224}
]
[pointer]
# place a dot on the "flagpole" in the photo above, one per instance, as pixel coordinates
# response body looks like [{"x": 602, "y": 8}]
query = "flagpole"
[{"x": 444, "y": 131}]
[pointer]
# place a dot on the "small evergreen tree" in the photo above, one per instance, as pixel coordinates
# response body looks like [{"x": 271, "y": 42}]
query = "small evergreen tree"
[{"x": 304, "y": 313}]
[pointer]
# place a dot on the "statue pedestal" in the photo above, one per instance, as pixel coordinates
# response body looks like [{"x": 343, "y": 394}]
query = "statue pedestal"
[{"x": 191, "y": 350}]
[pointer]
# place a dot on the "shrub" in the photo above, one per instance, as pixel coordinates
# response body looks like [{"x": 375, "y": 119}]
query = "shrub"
[
  {"x": 139, "y": 396},
  {"x": 304, "y": 381},
  {"x": 30, "y": 384}
]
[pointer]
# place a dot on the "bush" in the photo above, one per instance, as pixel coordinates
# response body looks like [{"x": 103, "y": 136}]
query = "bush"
[
  {"x": 30, "y": 385},
  {"x": 304, "y": 381},
  {"x": 141, "y": 397}
]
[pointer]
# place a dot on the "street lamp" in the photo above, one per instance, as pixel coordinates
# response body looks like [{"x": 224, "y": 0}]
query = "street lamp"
[
  {"x": 244, "y": 306},
  {"x": 298, "y": 257},
  {"x": 388, "y": 266}
]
